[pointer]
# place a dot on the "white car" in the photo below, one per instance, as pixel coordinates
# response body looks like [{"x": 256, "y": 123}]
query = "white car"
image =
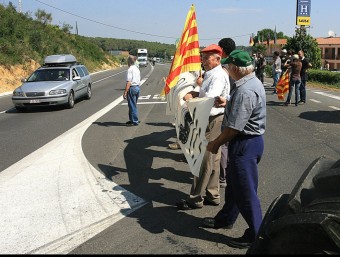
[{"x": 60, "y": 81}]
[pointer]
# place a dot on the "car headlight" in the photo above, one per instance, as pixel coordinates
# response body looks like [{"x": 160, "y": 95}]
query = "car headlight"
[
  {"x": 18, "y": 93},
  {"x": 58, "y": 92}
]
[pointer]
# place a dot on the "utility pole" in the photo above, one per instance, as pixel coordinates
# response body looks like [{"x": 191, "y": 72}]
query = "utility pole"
[{"x": 20, "y": 6}]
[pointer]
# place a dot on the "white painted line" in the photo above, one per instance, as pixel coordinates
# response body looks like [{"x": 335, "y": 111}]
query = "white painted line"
[
  {"x": 53, "y": 200},
  {"x": 335, "y": 108},
  {"x": 328, "y": 95},
  {"x": 315, "y": 101},
  {"x": 145, "y": 103}
]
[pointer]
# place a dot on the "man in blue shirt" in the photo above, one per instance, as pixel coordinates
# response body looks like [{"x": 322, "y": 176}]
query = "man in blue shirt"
[{"x": 244, "y": 127}]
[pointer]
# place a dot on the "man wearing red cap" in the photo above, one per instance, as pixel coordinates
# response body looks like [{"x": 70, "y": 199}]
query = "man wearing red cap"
[{"x": 205, "y": 188}]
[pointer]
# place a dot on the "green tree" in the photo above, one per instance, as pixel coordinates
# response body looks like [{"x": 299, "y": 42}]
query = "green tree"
[
  {"x": 44, "y": 17},
  {"x": 66, "y": 28},
  {"x": 306, "y": 43}
]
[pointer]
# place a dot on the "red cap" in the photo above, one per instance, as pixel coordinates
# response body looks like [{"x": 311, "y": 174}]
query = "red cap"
[{"x": 213, "y": 48}]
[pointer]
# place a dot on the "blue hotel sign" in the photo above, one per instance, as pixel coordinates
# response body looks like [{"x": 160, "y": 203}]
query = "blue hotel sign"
[{"x": 303, "y": 8}]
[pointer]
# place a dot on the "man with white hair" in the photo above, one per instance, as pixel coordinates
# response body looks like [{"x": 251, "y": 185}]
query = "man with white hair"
[
  {"x": 131, "y": 92},
  {"x": 244, "y": 129},
  {"x": 283, "y": 58},
  {"x": 205, "y": 189}
]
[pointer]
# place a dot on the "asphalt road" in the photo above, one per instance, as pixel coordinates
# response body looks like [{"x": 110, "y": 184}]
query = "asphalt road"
[{"x": 136, "y": 159}]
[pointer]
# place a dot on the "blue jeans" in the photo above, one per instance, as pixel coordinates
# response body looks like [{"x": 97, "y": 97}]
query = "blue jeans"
[
  {"x": 132, "y": 98},
  {"x": 294, "y": 83},
  {"x": 303, "y": 90},
  {"x": 276, "y": 77}
]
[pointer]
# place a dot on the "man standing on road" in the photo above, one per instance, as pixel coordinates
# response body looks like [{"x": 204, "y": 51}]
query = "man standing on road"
[
  {"x": 228, "y": 45},
  {"x": 244, "y": 129},
  {"x": 304, "y": 76},
  {"x": 260, "y": 66},
  {"x": 205, "y": 188},
  {"x": 131, "y": 92}
]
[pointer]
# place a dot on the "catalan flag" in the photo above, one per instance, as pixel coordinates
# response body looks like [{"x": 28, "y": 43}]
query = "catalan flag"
[
  {"x": 187, "y": 56},
  {"x": 282, "y": 86},
  {"x": 251, "y": 40}
]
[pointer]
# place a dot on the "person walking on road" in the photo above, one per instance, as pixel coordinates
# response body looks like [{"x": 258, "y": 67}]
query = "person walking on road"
[
  {"x": 132, "y": 89},
  {"x": 276, "y": 69},
  {"x": 244, "y": 129}
]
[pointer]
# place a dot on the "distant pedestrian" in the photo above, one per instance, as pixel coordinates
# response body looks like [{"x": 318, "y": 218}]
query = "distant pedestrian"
[
  {"x": 295, "y": 79},
  {"x": 132, "y": 89},
  {"x": 326, "y": 66},
  {"x": 304, "y": 76},
  {"x": 283, "y": 58},
  {"x": 260, "y": 66},
  {"x": 276, "y": 69}
]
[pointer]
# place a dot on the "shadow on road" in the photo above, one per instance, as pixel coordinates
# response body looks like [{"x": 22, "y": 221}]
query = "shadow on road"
[{"x": 322, "y": 116}]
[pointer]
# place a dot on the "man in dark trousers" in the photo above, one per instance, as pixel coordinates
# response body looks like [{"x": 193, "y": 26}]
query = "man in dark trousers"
[
  {"x": 228, "y": 45},
  {"x": 260, "y": 66},
  {"x": 304, "y": 76},
  {"x": 244, "y": 127}
]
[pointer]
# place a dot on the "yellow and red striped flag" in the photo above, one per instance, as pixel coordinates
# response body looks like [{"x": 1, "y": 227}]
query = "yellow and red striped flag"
[
  {"x": 251, "y": 40},
  {"x": 187, "y": 56},
  {"x": 282, "y": 86}
]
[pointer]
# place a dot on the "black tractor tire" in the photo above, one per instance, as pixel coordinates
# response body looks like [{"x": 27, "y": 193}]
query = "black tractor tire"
[{"x": 307, "y": 221}]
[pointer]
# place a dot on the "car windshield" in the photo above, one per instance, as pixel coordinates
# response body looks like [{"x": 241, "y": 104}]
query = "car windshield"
[{"x": 49, "y": 75}]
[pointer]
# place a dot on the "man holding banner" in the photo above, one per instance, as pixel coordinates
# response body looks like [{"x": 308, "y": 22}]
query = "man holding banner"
[{"x": 205, "y": 188}]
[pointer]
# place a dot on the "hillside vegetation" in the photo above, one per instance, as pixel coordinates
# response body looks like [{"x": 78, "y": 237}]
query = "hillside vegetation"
[{"x": 25, "y": 42}]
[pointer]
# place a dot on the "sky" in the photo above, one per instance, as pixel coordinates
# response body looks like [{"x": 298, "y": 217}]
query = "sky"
[{"x": 163, "y": 20}]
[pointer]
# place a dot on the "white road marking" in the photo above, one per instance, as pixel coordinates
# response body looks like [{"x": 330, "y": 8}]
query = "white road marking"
[
  {"x": 328, "y": 95},
  {"x": 315, "y": 101},
  {"x": 335, "y": 108},
  {"x": 145, "y": 103},
  {"x": 53, "y": 200}
]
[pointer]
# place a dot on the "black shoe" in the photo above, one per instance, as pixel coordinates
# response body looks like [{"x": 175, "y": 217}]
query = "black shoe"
[
  {"x": 240, "y": 242},
  {"x": 184, "y": 205},
  {"x": 207, "y": 202},
  {"x": 211, "y": 223},
  {"x": 135, "y": 124},
  {"x": 129, "y": 122}
]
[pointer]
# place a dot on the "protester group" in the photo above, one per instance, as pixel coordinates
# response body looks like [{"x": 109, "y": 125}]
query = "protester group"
[{"x": 235, "y": 130}]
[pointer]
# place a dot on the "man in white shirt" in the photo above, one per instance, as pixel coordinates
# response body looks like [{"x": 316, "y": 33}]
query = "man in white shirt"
[
  {"x": 205, "y": 188},
  {"x": 131, "y": 92}
]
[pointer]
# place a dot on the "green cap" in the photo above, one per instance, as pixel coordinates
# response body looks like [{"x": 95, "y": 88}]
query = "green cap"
[{"x": 238, "y": 57}]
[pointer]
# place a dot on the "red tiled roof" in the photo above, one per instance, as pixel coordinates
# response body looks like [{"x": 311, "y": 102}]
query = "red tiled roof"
[
  {"x": 320, "y": 40},
  {"x": 328, "y": 40}
]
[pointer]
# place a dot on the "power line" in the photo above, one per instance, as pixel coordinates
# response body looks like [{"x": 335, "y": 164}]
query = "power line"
[{"x": 111, "y": 26}]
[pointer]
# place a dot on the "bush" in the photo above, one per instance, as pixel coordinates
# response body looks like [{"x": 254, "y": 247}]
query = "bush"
[{"x": 324, "y": 76}]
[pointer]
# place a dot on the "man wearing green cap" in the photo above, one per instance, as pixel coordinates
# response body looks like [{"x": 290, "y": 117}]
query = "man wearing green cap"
[{"x": 244, "y": 127}]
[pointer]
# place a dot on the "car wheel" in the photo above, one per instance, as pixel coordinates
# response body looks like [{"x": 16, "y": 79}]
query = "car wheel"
[
  {"x": 70, "y": 101},
  {"x": 20, "y": 108},
  {"x": 88, "y": 92}
]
